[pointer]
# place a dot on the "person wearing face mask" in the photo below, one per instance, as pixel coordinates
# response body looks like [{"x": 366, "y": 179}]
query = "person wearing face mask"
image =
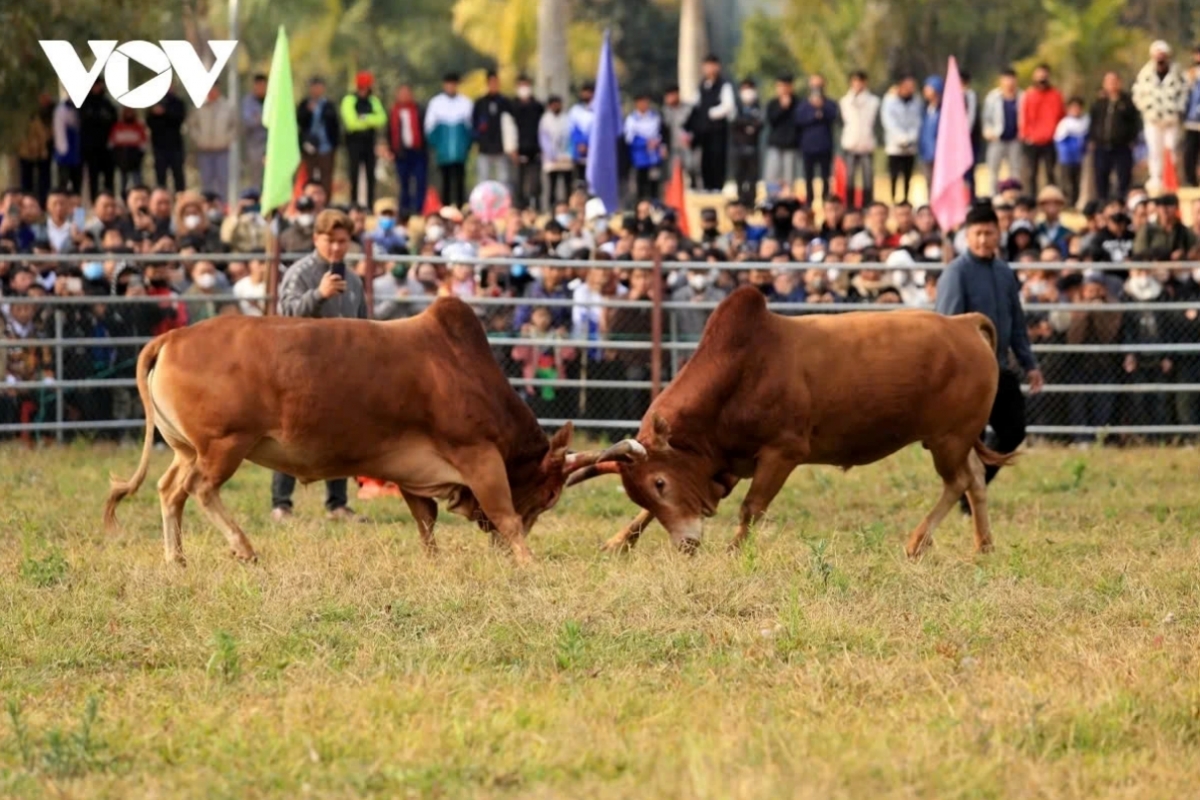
[
  {"x": 192, "y": 224},
  {"x": 747, "y": 127},
  {"x": 204, "y": 279},
  {"x": 245, "y": 231},
  {"x": 1042, "y": 108},
  {"x": 1114, "y": 244},
  {"x": 1161, "y": 94},
  {"x": 815, "y": 120},
  {"x": 298, "y": 236},
  {"x": 388, "y": 235},
  {"x": 1167, "y": 239},
  {"x": 709, "y": 123},
  {"x": 527, "y": 113},
  {"x": 689, "y": 324}
]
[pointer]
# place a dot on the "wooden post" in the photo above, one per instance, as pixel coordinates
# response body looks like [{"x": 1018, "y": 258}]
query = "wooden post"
[
  {"x": 273, "y": 270},
  {"x": 369, "y": 276},
  {"x": 656, "y": 328}
]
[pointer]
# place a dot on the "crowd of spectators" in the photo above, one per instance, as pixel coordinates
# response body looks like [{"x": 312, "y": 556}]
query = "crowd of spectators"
[{"x": 832, "y": 249}]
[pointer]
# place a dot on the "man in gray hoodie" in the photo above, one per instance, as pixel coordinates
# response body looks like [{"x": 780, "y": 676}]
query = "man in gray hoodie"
[
  {"x": 979, "y": 280},
  {"x": 319, "y": 285}
]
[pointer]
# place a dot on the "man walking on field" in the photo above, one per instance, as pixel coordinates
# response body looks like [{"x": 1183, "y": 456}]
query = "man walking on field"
[{"x": 979, "y": 280}]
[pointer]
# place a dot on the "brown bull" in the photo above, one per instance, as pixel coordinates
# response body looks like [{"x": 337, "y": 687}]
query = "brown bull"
[
  {"x": 420, "y": 402},
  {"x": 765, "y": 393}
]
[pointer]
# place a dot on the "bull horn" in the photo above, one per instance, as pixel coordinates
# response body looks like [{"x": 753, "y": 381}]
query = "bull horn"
[
  {"x": 593, "y": 471},
  {"x": 627, "y": 450}
]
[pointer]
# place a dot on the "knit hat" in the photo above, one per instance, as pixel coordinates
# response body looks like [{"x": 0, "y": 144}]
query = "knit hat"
[
  {"x": 364, "y": 80},
  {"x": 935, "y": 82}
]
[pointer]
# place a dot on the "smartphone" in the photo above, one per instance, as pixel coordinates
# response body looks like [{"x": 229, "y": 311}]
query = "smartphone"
[
  {"x": 339, "y": 269},
  {"x": 80, "y": 216},
  {"x": 75, "y": 285}
]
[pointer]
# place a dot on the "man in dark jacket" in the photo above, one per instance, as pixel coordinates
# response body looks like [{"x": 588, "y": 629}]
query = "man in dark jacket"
[
  {"x": 527, "y": 113},
  {"x": 781, "y": 135},
  {"x": 406, "y": 141},
  {"x": 320, "y": 134},
  {"x": 747, "y": 126},
  {"x": 709, "y": 124},
  {"x": 97, "y": 115},
  {"x": 979, "y": 281},
  {"x": 1115, "y": 126},
  {"x": 165, "y": 122},
  {"x": 486, "y": 122},
  {"x": 815, "y": 118}
]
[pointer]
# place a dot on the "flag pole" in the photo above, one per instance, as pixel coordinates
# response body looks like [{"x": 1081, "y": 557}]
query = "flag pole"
[{"x": 273, "y": 270}]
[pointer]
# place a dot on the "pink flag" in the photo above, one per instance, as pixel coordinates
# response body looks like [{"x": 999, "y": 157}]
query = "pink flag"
[{"x": 953, "y": 156}]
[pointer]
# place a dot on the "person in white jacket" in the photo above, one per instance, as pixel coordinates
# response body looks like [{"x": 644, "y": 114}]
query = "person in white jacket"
[
  {"x": 1001, "y": 127},
  {"x": 860, "y": 112},
  {"x": 1161, "y": 94},
  {"x": 901, "y": 113},
  {"x": 554, "y": 138},
  {"x": 212, "y": 129}
]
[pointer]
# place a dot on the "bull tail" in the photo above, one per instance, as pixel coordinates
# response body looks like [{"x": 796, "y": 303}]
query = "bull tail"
[
  {"x": 986, "y": 329},
  {"x": 119, "y": 489},
  {"x": 991, "y": 458}
]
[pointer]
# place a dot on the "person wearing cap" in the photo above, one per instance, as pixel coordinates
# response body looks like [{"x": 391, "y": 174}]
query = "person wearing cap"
[
  {"x": 448, "y": 129},
  {"x": 1000, "y": 114},
  {"x": 816, "y": 117},
  {"x": 1168, "y": 239},
  {"x": 980, "y": 281},
  {"x": 709, "y": 232},
  {"x": 298, "y": 236},
  {"x": 1113, "y": 244},
  {"x": 1051, "y": 232},
  {"x": 313, "y": 288},
  {"x": 245, "y": 230},
  {"x": 782, "y": 136},
  {"x": 859, "y": 112},
  {"x": 747, "y": 125},
  {"x": 212, "y": 130},
  {"x": 406, "y": 143},
  {"x": 1160, "y": 94},
  {"x": 487, "y": 123},
  {"x": 901, "y": 114},
  {"x": 1114, "y": 129},
  {"x": 527, "y": 113},
  {"x": 320, "y": 134},
  {"x": 1042, "y": 107},
  {"x": 389, "y": 235},
  {"x": 710, "y": 121},
  {"x": 579, "y": 124},
  {"x": 363, "y": 117},
  {"x": 927, "y": 143}
]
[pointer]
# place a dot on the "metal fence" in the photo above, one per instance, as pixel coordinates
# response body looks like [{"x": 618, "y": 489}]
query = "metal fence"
[{"x": 585, "y": 351}]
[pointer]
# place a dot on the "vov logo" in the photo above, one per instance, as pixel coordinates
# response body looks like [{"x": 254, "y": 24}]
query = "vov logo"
[{"x": 174, "y": 54}]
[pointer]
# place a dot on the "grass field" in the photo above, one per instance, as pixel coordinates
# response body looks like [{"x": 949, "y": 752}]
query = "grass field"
[{"x": 818, "y": 663}]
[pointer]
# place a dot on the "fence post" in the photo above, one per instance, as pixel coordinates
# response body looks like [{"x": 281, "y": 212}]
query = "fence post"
[
  {"x": 369, "y": 276},
  {"x": 58, "y": 374},
  {"x": 656, "y": 332}
]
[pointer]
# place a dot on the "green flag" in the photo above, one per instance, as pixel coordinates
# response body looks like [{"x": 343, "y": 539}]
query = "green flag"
[{"x": 283, "y": 141}]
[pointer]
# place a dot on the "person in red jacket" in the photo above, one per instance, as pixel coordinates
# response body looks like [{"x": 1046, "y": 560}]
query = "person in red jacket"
[
  {"x": 127, "y": 139},
  {"x": 1041, "y": 109}
]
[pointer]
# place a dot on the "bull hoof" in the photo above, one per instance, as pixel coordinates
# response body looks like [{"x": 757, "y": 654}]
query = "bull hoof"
[
  {"x": 523, "y": 558},
  {"x": 985, "y": 548},
  {"x": 250, "y": 557},
  {"x": 178, "y": 559},
  {"x": 618, "y": 546},
  {"x": 915, "y": 553}
]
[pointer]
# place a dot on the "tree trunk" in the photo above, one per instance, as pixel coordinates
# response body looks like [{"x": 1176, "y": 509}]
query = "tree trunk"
[
  {"x": 554, "y": 71},
  {"x": 693, "y": 41}
]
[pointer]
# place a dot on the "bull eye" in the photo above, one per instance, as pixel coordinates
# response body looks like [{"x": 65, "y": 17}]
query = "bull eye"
[{"x": 660, "y": 484}]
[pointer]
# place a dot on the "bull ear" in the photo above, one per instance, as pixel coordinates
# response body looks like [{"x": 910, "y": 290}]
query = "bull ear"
[
  {"x": 660, "y": 433},
  {"x": 560, "y": 442}
]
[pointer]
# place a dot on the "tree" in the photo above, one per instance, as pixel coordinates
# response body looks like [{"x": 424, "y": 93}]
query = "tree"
[
  {"x": 553, "y": 73},
  {"x": 693, "y": 42},
  {"x": 1081, "y": 44}
]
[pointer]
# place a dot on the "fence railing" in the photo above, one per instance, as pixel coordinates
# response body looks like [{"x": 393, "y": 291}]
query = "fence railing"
[{"x": 592, "y": 358}]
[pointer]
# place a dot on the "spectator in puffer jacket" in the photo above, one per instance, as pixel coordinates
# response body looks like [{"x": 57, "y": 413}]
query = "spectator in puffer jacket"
[
  {"x": 1114, "y": 129},
  {"x": 901, "y": 113},
  {"x": 927, "y": 144},
  {"x": 1161, "y": 94},
  {"x": 212, "y": 129}
]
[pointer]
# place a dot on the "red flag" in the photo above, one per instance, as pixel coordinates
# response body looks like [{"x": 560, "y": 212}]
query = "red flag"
[
  {"x": 674, "y": 198},
  {"x": 301, "y": 179},
  {"x": 839, "y": 181},
  {"x": 433, "y": 202},
  {"x": 1170, "y": 179}
]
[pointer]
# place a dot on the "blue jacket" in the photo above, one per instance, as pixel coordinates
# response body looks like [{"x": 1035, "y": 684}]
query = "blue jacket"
[
  {"x": 815, "y": 127},
  {"x": 927, "y": 142},
  {"x": 1193, "y": 104},
  {"x": 989, "y": 287}
]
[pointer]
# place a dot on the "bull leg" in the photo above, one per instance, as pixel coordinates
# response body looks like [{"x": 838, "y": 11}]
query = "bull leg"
[
  {"x": 977, "y": 495},
  {"x": 172, "y": 495},
  {"x": 770, "y": 473},
  {"x": 955, "y": 479},
  {"x": 487, "y": 479},
  {"x": 213, "y": 469},
  {"x": 625, "y": 541},
  {"x": 424, "y": 511}
]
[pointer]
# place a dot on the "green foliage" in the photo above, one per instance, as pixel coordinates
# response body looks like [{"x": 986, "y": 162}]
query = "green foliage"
[
  {"x": 224, "y": 663},
  {"x": 47, "y": 571},
  {"x": 58, "y": 753}
]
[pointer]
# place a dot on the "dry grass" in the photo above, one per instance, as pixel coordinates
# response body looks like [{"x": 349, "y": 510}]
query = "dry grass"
[{"x": 819, "y": 663}]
